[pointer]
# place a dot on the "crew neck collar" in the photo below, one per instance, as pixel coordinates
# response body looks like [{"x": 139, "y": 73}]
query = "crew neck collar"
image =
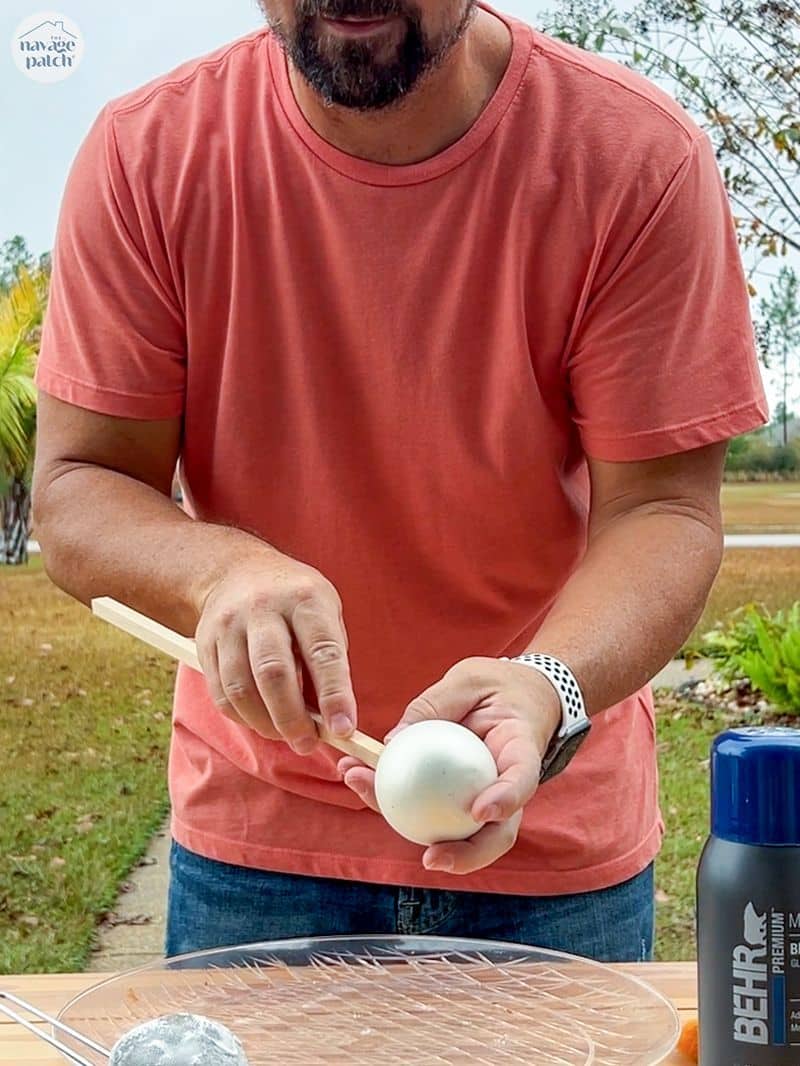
[{"x": 372, "y": 173}]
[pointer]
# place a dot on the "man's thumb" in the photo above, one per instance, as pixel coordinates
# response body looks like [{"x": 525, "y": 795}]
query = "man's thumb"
[{"x": 448, "y": 700}]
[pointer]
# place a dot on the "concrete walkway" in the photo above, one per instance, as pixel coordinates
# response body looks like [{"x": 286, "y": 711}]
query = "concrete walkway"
[
  {"x": 676, "y": 673},
  {"x": 134, "y": 933}
]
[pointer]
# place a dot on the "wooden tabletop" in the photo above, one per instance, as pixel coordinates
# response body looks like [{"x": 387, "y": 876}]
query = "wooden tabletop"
[{"x": 50, "y": 992}]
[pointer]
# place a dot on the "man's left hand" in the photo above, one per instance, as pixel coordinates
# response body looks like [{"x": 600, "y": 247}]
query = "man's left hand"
[{"x": 515, "y": 711}]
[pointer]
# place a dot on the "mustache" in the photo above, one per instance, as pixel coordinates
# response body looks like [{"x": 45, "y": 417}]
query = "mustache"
[{"x": 356, "y": 9}]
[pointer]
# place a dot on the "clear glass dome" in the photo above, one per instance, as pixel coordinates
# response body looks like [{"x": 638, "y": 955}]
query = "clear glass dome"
[{"x": 393, "y": 1000}]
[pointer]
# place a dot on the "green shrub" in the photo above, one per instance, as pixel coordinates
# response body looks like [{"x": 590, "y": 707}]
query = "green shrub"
[
  {"x": 764, "y": 648},
  {"x": 753, "y": 454},
  {"x": 785, "y": 458}
]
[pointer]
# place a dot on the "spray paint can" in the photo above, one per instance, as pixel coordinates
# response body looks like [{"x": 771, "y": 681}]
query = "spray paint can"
[{"x": 748, "y": 902}]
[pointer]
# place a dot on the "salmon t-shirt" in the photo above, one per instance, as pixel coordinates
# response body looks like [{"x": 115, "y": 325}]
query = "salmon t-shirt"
[{"x": 395, "y": 374}]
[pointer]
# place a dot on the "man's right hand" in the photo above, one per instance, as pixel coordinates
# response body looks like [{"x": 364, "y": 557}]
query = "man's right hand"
[{"x": 257, "y": 625}]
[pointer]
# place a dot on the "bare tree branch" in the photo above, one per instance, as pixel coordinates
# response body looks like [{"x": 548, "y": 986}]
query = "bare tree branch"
[{"x": 735, "y": 66}]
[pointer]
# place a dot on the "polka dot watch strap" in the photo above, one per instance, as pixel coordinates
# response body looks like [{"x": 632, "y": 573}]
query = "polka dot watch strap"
[{"x": 573, "y": 709}]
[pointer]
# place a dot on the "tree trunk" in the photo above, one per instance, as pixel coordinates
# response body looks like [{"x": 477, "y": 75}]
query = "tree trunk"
[{"x": 16, "y": 516}]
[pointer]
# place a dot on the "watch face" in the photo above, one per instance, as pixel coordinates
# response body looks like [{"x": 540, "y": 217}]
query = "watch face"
[{"x": 564, "y": 752}]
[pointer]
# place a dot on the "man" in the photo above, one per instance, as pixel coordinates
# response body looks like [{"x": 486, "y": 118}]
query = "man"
[{"x": 446, "y": 326}]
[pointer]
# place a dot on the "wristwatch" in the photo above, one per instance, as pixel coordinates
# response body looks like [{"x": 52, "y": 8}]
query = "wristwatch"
[{"x": 575, "y": 723}]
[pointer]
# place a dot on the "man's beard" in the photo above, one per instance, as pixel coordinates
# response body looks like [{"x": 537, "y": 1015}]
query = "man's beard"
[{"x": 348, "y": 73}]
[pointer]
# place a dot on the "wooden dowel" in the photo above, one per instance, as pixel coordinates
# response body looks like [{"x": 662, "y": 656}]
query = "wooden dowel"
[{"x": 184, "y": 650}]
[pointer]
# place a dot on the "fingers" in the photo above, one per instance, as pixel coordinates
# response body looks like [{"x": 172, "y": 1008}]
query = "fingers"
[
  {"x": 278, "y": 682},
  {"x": 347, "y": 762},
  {"x": 518, "y": 762},
  {"x": 207, "y": 654},
  {"x": 466, "y": 856},
  {"x": 359, "y": 779},
  {"x": 261, "y": 626},
  {"x": 503, "y": 798},
  {"x": 317, "y": 625},
  {"x": 237, "y": 683}
]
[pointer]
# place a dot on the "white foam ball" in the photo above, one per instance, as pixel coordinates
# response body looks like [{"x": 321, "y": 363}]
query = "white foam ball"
[
  {"x": 427, "y": 779},
  {"x": 178, "y": 1040}
]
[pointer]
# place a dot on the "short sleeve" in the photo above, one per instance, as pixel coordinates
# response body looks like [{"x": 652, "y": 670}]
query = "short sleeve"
[
  {"x": 113, "y": 339},
  {"x": 664, "y": 356}
]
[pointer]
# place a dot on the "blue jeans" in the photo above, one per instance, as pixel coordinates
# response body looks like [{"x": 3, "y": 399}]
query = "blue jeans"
[{"x": 213, "y": 904}]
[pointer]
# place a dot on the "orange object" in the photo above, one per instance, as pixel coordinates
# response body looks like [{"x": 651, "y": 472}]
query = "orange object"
[{"x": 688, "y": 1041}]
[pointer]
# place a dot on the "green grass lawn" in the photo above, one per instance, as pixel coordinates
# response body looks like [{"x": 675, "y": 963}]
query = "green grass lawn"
[
  {"x": 761, "y": 507},
  {"x": 84, "y": 727},
  {"x": 770, "y": 576}
]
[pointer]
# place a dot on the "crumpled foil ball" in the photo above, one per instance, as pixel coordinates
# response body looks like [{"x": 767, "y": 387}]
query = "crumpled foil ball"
[{"x": 178, "y": 1040}]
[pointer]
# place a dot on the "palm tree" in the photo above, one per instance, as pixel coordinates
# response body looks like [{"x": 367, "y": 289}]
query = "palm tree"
[{"x": 21, "y": 313}]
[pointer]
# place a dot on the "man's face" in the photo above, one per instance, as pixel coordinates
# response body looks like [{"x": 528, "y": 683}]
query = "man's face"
[{"x": 367, "y": 54}]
